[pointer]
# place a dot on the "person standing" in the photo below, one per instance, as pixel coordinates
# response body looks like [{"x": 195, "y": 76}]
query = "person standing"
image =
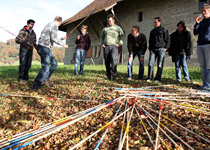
[
  {"x": 137, "y": 45},
  {"x": 202, "y": 29},
  {"x": 181, "y": 48},
  {"x": 48, "y": 36},
  {"x": 111, "y": 38},
  {"x": 83, "y": 45},
  {"x": 27, "y": 40},
  {"x": 159, "y": 42}
]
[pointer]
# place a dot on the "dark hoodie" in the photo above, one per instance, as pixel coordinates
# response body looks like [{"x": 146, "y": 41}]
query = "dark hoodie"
[
  {"x": 84, "y": 42},
  {"x": 28, "y": 37},
  {"x": 159, "y": 38}
]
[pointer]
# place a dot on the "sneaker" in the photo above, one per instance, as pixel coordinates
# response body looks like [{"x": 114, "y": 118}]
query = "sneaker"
[
  {"x": 35, "y": 87},
  {"x": 187, "y": 80},
  {"x": 157, "y": 81},
  {"x": 129, "y": 78},
  {"x": 114, "y": 78},
  {"x": 179, "y": 81},
  {"x": 205, "y": 88},
  {"x": 46, "y": 83},
  {"x": 148, "y": 80}
]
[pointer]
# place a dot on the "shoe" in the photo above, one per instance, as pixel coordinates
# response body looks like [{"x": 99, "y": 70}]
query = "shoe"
[
  {"x": 34, "y": 87},
  {"x": 46, "y": 83},
  {"x": 129, "y": 78},
  {"x": 205, "y": 88},
  {"x": 114, "y": 78},
  {"x": 179, "y": 81},
  {"x": 140, "y": 78},
  {"x": 157, "y": 81},
  {"x": 108, "y": 78},
  {"x": 20, "y": 80},
  {"x": 148, "y": 80},
  {"x": 188, "y": 80}
]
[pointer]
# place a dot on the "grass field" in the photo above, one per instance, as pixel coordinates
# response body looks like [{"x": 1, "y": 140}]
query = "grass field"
[{"x": 29, "y": 108}]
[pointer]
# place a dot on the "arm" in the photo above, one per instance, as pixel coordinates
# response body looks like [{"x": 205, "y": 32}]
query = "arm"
[
  {"x": 88, "y": 43},
  {"x": 129, "y": 46},
  {"x": 190, "y": 49},
  {"x": 144, "y": 44},
  {"x": 102, "y": 37},
  {"x": 19, "y": 39},
  {"x": 121, "y": 35},
  {"x": 196, "y": 29},
  {"x": 167, "y": 39}
]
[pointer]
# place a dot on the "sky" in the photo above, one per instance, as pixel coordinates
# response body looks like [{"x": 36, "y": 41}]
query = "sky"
[{"x": 15, "y": 13}]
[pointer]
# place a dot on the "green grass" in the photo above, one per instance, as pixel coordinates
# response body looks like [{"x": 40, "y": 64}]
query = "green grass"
[{"x": 98, "y": 71}]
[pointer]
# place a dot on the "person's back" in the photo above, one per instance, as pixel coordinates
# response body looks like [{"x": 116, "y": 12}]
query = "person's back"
[{"x": 49, "y": 35}]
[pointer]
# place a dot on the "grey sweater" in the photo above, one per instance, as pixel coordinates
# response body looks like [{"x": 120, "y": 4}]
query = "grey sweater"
[{"x": 49, "y": 35}]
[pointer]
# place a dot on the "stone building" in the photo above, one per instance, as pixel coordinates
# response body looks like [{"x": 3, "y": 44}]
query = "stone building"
[{"x": 129, "y": 13}]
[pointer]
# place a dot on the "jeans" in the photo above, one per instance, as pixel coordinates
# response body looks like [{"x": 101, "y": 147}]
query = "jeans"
[
  {"x": 111, "y": 57},
  {"x": 180, "y": 61},
  {"x": 49, "y": 64},
  {"x": 203, "y": 52},
  {"x": 80, "y": 55},
  {"x": 25, "y": 57},
  {"x": 141, "y": 65},
  {"x": 160, "y": 55}
]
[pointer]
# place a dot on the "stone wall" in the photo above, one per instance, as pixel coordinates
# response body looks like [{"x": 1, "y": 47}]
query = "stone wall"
[{"x": 170, "y": 11}]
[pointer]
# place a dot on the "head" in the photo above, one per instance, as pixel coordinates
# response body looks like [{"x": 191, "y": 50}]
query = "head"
[
  {"x": 157, "y": 22},
  {"x": 205, "y": 10},
  {"x": 30, "y": 24},
  {"x": 135, "y": 30},
  {"x": 84, "y": 29},
  {"x": 111, "y": 19},
  {"x": 58, "y": 19},
  {"x": 181, "y": 26}
]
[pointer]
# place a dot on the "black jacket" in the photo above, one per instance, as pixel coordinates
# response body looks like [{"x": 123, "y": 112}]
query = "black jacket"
[
  {"x": 84, "y": 42},
  {"x": 137, "y": 43},
  {"x": 159, "y": 38},
  {"x": 175, "y": 43}
]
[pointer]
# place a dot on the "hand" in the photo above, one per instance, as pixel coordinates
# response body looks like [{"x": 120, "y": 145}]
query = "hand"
[
  {"x": 117, "y": 45},
  {"x": 130, "y": 58},
  {"x": 142, "y": 59},
  {"x": 65, "y": 46},
  {"x": 188, "y": 57},
  {"x": 103, "y": 46},
  {"x": 198, "y": 19},
  {"x": 78, "y": 37},
  {"x": 63, "y": 38}
]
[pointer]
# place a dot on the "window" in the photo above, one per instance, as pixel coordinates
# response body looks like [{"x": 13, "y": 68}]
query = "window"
[
  {"x": 202, "y": 2},
  {"x": 140, "y": 16}
]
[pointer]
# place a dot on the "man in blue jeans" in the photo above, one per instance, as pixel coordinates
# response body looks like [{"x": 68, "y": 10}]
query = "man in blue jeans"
[
  {"x": 202, "y": 29},
  {"x": 48, "y": 36},
  {"x": 159, "y": 42},
  {"x": 137, "y": 45}
]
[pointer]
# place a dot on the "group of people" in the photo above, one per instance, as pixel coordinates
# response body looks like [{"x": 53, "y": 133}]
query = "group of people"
[{"x": 179, "y": 45}]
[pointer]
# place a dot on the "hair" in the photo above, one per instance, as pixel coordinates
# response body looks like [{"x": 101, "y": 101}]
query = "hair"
[
  {"x": 58, "y": 18},
  {"x": 183, "y": 24},
  {"x": 110, "y": 16},
  {"x": 136, "y": 27},
  {"x": 158, "y": 18},
  {"x": 84, "y": 26},
  {"x": 30, "y": 20},
  {"x": 205, "y": 6}
]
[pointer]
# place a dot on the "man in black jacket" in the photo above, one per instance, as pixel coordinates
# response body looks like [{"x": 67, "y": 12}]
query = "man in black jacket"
[
  {"x": 181, "y": 48},
  {"x": 159, "y": 42},
  {"x": 137, "y": 45},
  {"x": 26, "y": 38}
]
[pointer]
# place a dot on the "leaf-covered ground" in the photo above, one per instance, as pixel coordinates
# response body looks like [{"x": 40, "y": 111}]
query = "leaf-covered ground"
[{"x": 23, "y": 109}]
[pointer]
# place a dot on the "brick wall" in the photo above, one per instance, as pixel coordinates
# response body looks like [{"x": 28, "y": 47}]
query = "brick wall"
[{"x": 170, "y": 11}]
